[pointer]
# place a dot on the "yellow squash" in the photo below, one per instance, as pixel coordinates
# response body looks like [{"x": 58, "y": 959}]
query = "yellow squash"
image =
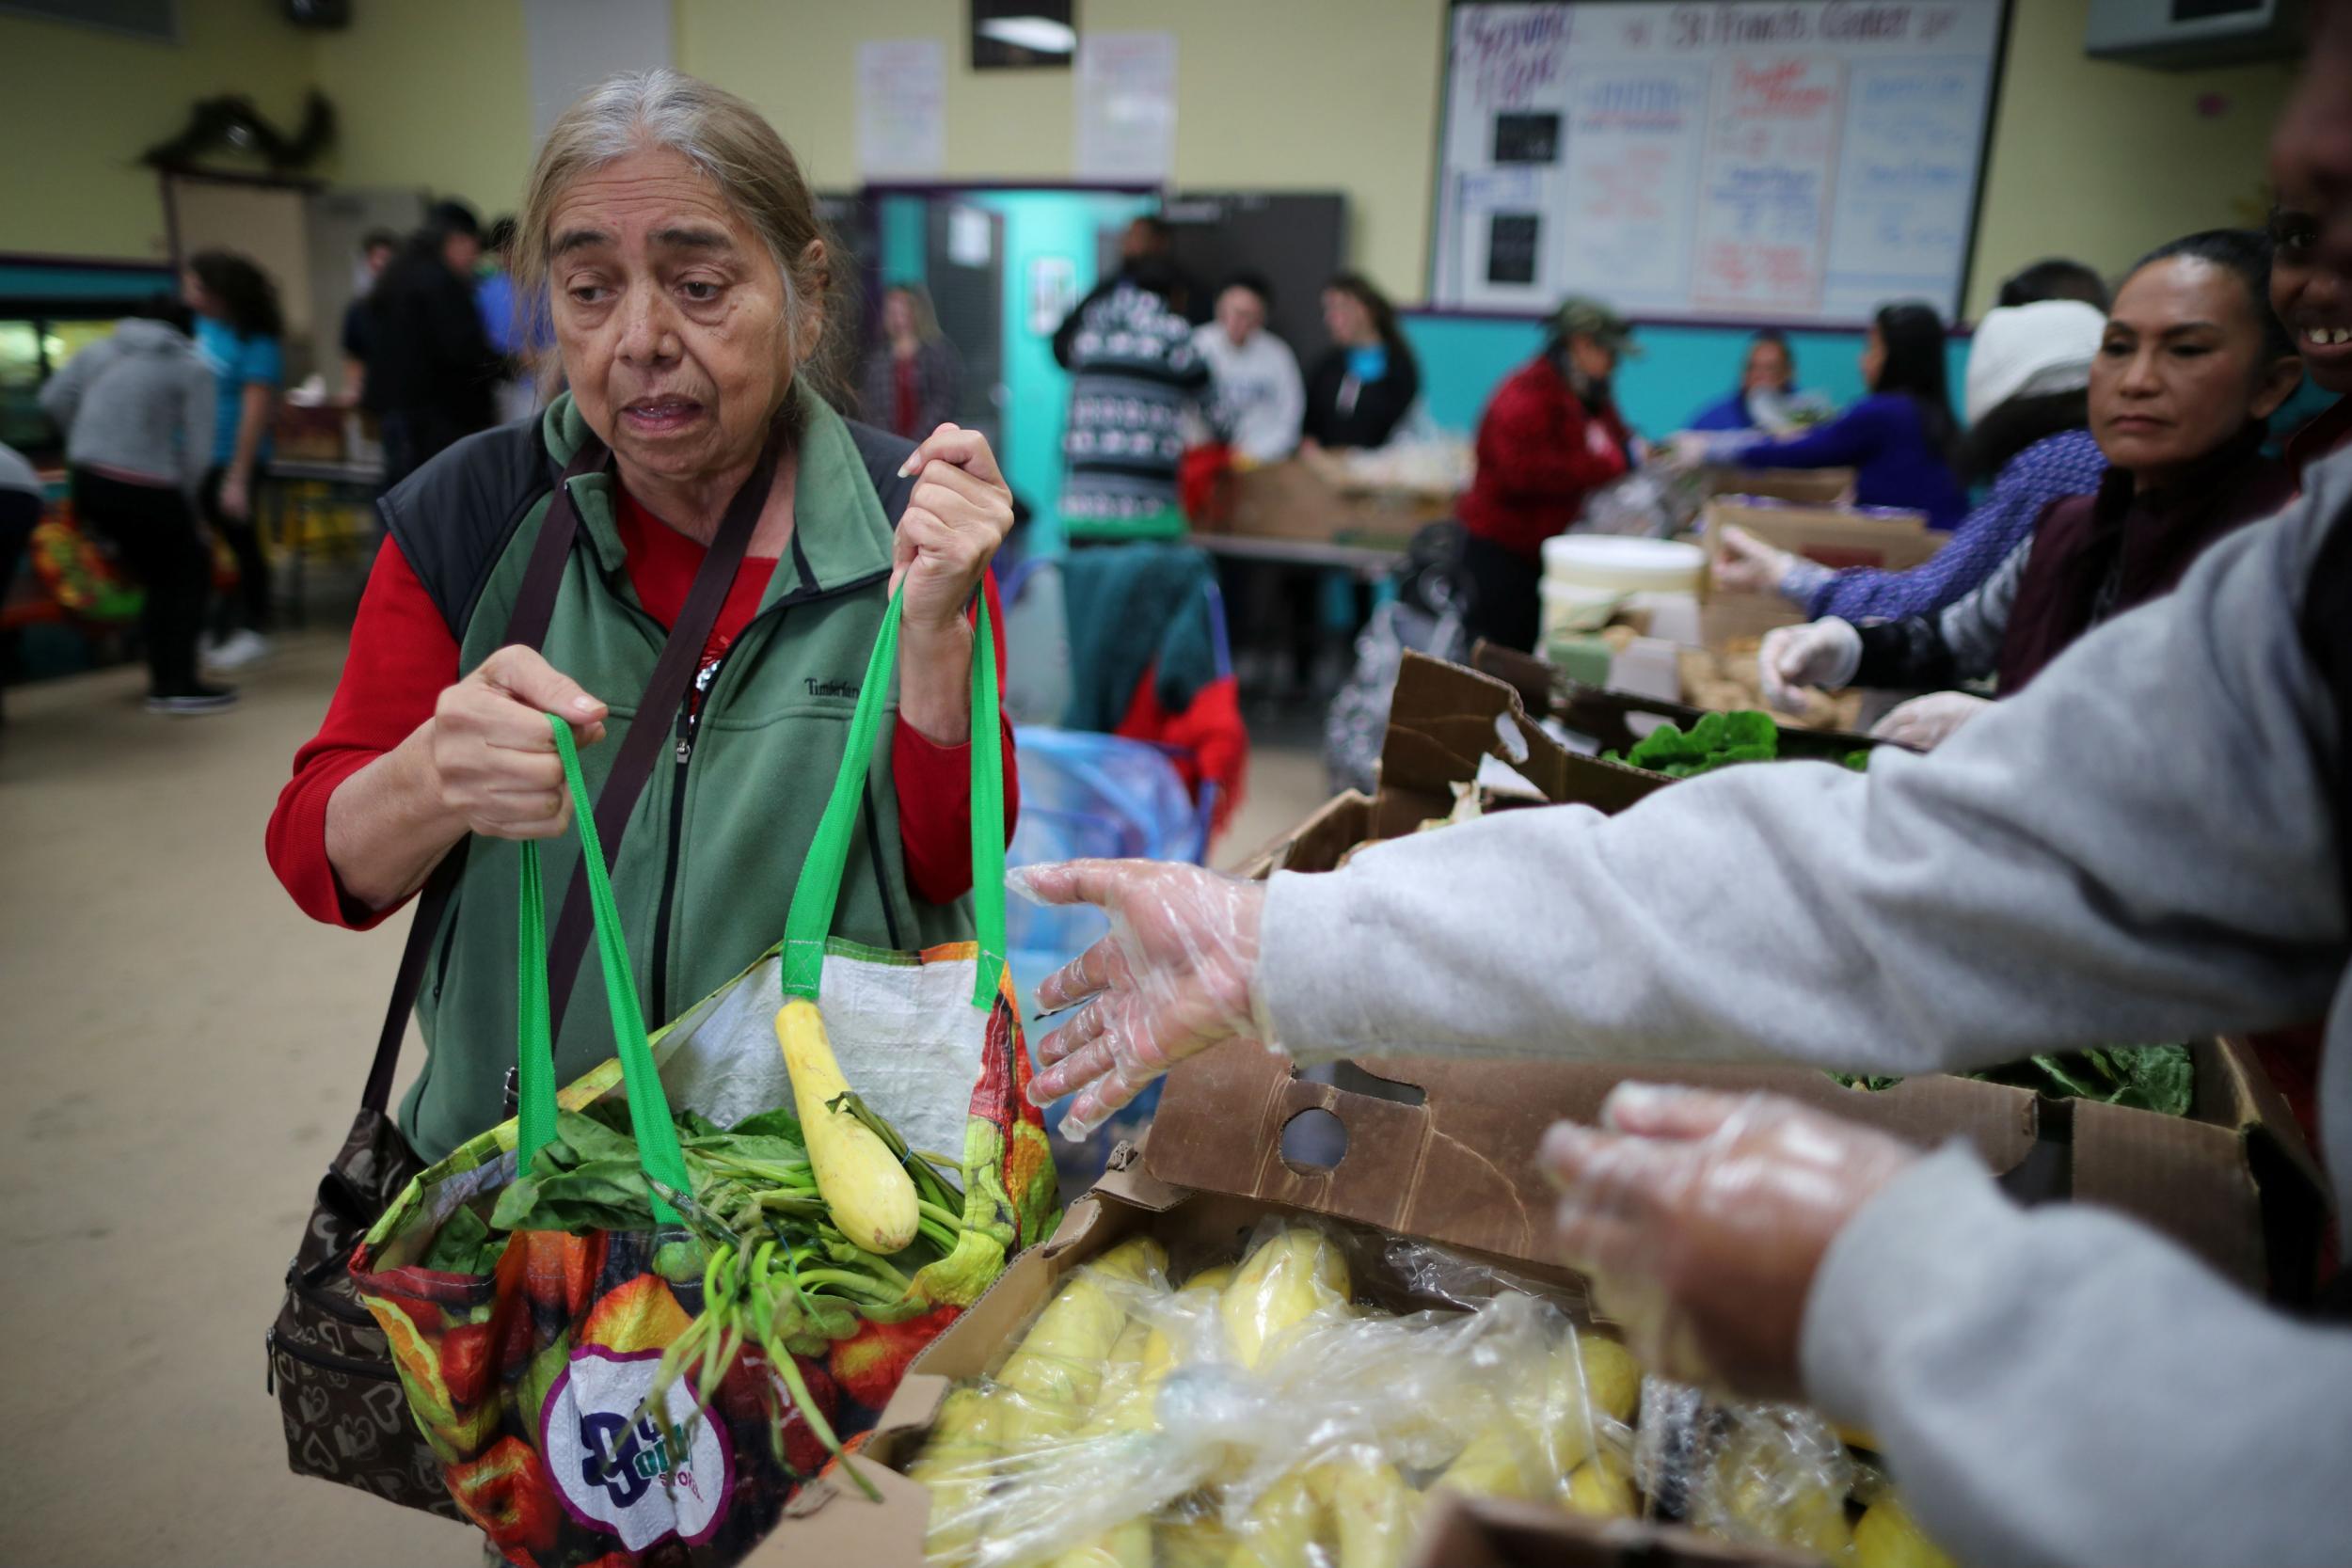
[
  {"x": 866, "y": 1191},
  {"x": 1289, "y": 1279},
  {"x": 1888, "y": 1537}
]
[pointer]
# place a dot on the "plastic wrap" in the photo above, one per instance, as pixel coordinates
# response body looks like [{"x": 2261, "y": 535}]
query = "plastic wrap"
[
  {"x": 1298, "y": 1404},
  {"x": 1288, "y": 1407}
]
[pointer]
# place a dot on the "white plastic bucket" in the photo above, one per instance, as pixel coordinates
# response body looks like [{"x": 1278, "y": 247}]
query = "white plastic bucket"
[{"x": 1622, "y": 566}]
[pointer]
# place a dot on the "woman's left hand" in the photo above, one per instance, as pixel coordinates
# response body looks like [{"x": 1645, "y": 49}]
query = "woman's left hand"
[
  {"x": 235, "y": 496},
  {"x": 1926, "y": 722},
  {"x": 1703, "y": 1217},
  {"x": 958, "y": 515}
]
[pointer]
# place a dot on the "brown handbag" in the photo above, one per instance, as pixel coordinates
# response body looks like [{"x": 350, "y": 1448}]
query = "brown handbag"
[{"x": 345, "y": 1413}]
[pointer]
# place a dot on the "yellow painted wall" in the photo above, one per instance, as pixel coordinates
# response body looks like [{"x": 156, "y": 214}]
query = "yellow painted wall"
[
  {"x": 2093, "y": 160},
  {"x": 1293, "y": 94},
  {"x": 2102, "y": 162},
  {"x": 432, "y": 93},
  {"x": 81, "y": 105}
]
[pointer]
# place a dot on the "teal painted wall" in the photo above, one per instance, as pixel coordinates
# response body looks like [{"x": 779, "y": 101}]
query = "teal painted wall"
[
  {"x": 1037, "y": 224},
  {"x": 1680, "y": 370}
]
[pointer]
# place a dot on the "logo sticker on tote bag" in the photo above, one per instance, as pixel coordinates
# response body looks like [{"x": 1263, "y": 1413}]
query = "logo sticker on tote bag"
[{"x": 614, "y": 1469}]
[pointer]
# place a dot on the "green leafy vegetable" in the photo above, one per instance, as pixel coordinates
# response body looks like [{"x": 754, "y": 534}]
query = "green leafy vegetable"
[
  {"x": 2158, "y": 1078},
  {"x": 1716, "y": 740}
]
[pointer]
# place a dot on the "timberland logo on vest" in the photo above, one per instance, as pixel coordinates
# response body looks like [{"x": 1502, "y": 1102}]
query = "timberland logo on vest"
[
  {"x": 832, "y": 689},
  {"x": 615, "y": 1470}
]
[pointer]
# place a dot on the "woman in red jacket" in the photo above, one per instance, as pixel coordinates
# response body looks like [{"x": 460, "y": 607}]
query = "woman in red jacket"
[{"x": 1548, "y": 438}]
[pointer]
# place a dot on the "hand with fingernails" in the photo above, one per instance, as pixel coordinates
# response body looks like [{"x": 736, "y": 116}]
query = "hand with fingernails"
[
  {"x": 956, "y": 518},
  {"x": 1703, "y": 1218},
  {"x": 1175, "y": 976},
  {"x": 494, "y": 764}
]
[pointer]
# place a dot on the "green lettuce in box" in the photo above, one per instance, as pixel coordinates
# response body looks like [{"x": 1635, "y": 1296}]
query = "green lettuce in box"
[{"x": 1716, "y": 740}]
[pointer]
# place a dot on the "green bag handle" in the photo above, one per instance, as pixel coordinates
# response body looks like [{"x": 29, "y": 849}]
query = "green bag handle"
[
  {"x": 809, "y": 923},
  {"x": 658, "y": 1151}
]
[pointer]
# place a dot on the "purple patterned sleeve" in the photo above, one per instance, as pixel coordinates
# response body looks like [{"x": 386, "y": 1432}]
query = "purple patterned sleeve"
[{"x": 2067, "y": 464}]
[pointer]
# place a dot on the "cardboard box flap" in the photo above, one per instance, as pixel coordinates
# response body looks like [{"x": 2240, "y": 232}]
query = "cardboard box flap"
[
  {"x": 1459, "y": 1167},
  {"x": 1603, "y": 714},
  {"x": 1444, "y": 717}
]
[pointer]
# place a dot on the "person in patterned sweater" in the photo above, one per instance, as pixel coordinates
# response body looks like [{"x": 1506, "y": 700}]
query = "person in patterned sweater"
[{"x": 1134, "y": 370}]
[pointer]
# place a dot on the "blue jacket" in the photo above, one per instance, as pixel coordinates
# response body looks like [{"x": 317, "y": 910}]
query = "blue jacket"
[{"x": 1883, "y": 441}]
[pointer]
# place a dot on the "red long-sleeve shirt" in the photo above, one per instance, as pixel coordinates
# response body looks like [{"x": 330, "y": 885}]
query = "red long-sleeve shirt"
[
  {"x": 402, "y": 655},
  {"x": 1540, "y": 452}
]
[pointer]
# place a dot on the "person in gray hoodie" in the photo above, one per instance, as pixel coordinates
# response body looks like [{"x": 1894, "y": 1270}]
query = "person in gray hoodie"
[
  {"x": 2152, "y": 842},
  {"x": 137, "y": 409}
]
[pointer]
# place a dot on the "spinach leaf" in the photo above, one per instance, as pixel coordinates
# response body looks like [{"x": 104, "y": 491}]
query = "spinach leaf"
[{"x": 459, "y": 1246}]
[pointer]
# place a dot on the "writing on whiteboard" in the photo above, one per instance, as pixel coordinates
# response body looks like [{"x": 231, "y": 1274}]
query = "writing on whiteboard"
[
  {"x": 1713, "y": 26},
  {"x": 1513, "y": 54}
]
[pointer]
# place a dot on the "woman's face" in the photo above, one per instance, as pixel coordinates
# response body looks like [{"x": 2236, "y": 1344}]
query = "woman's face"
[
  {"x": 2182, "y": 368},
  {"x": 1873, "y": 359},
  {"x": 1768, "y": 369},
  {"x": 898, "y": 314},
  {"x": 200, "y": 298},
  {"x": 2311, "y": 283},
  {"x": 671, "y": 317},
  {"x": 1348, "y": 320}
]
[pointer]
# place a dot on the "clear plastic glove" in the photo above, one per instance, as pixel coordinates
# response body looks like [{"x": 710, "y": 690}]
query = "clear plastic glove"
[
  {"x": 1702, "y": 1218},
  {"x": 1746, "y": 565},
  {"x": 1822, "y": 652},
  {"x": 1926, "y": 722},
  {"x": 1176, "y": 975}
]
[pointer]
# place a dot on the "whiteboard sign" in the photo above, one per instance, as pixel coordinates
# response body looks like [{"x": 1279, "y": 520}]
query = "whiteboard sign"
[{"x": 1801, "y": 162}]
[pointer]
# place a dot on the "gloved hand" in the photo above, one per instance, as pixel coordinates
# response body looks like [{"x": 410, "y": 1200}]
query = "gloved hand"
[
  {"x": 1746, "y": 565},
  {"x": 1175, "y": 976},
  {"x": 1703, "y": 1217},
  {"x": 1928, "y": 722},
  {"x": 1821, "y": 653}
]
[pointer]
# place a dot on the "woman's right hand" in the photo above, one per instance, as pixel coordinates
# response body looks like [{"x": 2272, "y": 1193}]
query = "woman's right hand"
[
  {"x": 494, "y": 762},
  {"x": 1746, "y": 565}
]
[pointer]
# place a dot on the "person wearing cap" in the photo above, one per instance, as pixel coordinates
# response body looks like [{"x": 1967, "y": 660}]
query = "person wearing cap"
[
  {"x": 1900, "y": 440},
  {"x": 2027, "y": 435},
  {"x": 436, "y": 374},
  {"x": 1549, "y": 437}
]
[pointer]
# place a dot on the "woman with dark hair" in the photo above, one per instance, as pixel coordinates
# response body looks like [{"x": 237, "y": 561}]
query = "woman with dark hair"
[
  {"x": 237, "y": 328},
  {"x": 1767, "y": 398},
  {"x": 912, "y": 377},
  {"x": 2028, "y": 439},
  {"x": 1900, "y": 439},
  {"x": 2191, "y": 368},
  {"x": 1361, "y": 390}
]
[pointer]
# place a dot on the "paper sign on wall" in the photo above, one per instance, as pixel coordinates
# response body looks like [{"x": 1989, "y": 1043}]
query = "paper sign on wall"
[
  {"x": 1126, "y": 106},
  {"x": 901, "y": 108}
]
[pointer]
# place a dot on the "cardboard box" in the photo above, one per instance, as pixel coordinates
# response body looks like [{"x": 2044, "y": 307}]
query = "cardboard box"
[
  {"x": 1295, "y": 500},
  {"x": 1808, "y": 487},
  {"x": 1834, "y": 537}
]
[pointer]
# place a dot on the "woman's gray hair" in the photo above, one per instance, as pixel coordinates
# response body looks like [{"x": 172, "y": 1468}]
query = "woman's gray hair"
[{"x": 740, "y": 154}]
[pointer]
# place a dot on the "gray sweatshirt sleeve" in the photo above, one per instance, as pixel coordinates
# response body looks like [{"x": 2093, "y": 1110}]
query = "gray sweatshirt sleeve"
[
  {"x": 61, "y": 394},
  {"x": 2059, "y": 1386},
  {"x": 2065, "y": 871}
]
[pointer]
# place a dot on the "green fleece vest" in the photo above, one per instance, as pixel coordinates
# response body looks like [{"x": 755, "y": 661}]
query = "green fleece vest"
[{"x": 706, "y": 866}]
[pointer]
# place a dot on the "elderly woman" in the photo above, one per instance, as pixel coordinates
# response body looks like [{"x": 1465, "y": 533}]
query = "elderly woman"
[{"x": 709, "y": 482}]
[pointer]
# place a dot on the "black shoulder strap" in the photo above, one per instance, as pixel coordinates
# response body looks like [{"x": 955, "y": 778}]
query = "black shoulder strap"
[
  {"x": 883, "y": 452},
  {"x": 534, "y": 607}
]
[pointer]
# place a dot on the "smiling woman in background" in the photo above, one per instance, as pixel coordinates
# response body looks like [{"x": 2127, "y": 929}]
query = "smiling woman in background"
[
  {"x": 689, "y": 280},
  {"x": 2191, "y": 368}
]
